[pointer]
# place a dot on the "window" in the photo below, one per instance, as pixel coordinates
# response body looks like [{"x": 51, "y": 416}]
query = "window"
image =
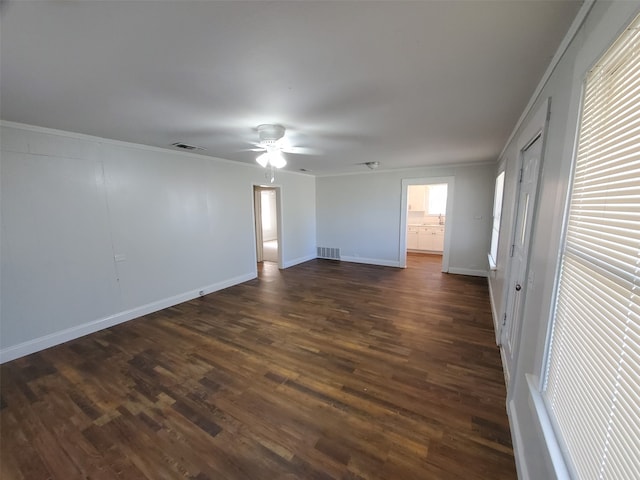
[
  {"x": 592, "y": 384},
  {"x": 497, "y": 216},
  {"x": 437, "y": 199}
]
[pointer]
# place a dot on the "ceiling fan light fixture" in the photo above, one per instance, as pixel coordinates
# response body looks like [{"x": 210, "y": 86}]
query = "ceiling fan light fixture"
[
  {"x": 263, "y": 159},
  {"x": 270, "y": 136},
  {"x": 277, "y": 159},
  {"x": 272, "y": 157}
]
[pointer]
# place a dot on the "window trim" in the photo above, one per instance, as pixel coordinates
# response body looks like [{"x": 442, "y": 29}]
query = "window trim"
[
  {"x": 535, "y": 383},
  {"x": 556, "y": 452}
]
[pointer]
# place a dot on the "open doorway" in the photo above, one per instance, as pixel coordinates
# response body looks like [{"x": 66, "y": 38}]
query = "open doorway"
[
  {"x": 266, "y": 207},
  {"x": 426, "y": 218},
  {"x": 426, "y": 213}
]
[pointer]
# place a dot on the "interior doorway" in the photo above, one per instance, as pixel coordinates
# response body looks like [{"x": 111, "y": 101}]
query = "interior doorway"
[
  {"x": 426, "y": 210},
  {"x": 267, "y": 224},
  {"x": 426, "y": 218}
]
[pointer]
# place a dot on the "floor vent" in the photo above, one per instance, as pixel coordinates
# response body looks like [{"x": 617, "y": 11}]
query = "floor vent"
[{"x": 326, "y": 252}]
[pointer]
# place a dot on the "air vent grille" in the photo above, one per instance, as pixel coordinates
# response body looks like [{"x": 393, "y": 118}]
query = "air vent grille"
[
  {"x": 331, "y": 253},
  {"x": 186, "y": 146}
]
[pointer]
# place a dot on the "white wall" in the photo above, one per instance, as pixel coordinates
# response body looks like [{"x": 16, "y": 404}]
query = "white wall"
[
  {"x": 602, "y": 26},
  {"x": 96, "y": 232},
  {"x": 361, "y": 215}
]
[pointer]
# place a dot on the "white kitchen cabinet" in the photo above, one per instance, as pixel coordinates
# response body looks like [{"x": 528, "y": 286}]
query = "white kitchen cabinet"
[
  {"x": 438, "y": 239},
  {"x": 412, "y": 238},
  {"x": 426, "y": 238},
  {"x": 416, "y": 198}
]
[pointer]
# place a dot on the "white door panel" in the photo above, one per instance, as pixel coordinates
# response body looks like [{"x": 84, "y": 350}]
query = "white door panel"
[{"x": 517, "y": 281}]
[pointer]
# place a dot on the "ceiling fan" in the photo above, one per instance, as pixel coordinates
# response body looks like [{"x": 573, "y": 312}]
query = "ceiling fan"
[
  {"x": 273, "y": 144},
  {"x": 272, "y": 141}
]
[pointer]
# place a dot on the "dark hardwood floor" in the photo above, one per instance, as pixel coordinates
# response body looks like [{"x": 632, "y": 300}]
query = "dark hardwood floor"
[{"x": 326, "y": 370}]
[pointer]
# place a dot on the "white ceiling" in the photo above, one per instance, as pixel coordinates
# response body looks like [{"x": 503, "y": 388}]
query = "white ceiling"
[{"x": 402, "y": 83}]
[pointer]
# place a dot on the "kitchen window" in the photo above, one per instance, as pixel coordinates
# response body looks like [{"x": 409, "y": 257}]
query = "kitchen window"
[{"x": 437, "y": 199}]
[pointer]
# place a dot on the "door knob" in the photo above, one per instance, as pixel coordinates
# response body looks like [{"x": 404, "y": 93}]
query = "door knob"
[{"x": 518, "y": 287}]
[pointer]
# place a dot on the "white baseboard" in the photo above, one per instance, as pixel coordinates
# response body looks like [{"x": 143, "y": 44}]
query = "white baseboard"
[
  {"x": 468, "y": 271},
  {"x": 56, "y": 338},
  {"x": 297, "y": 261},
  {"x": 371, "y": 261}
]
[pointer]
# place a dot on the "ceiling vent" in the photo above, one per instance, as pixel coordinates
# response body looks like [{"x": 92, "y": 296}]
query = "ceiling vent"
[{"x": 186, "y": 146}]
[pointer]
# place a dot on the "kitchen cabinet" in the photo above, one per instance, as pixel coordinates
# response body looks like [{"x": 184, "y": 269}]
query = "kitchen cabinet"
[
  {"x": 428, "y": 238},
  {"x": 425, "y": 239},
  {"x": 438, "y": 239},
  {"x": 416, "y": 198},
  {"x": 412, "y": 238}
]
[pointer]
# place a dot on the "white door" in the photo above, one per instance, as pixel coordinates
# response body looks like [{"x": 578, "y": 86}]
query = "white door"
[{"x": 517, "y": 280}]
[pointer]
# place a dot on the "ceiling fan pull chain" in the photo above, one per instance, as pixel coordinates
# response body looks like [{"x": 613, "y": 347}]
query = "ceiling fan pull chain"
[{"x": 270, "y": 174}]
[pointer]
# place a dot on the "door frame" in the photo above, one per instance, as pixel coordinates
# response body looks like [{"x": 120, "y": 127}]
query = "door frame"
[
  {"x": 536, "y": 130},
  {"x": 256, "y": 210},
  {"x": 402, "y": 246}
]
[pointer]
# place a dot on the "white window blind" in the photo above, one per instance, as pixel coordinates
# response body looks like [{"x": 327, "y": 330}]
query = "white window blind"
[{"x": 592, "y": 383}]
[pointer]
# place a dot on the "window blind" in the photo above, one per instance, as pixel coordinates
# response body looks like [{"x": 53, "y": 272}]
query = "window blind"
[{"x": 592, "y": 383}]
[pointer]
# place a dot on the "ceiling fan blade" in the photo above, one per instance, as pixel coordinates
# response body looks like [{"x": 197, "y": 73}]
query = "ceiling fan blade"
[
  {"x": 301, "y": 150},
  {"x": 252, "y": 150},
  {"x": 372, "y": 165}
]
